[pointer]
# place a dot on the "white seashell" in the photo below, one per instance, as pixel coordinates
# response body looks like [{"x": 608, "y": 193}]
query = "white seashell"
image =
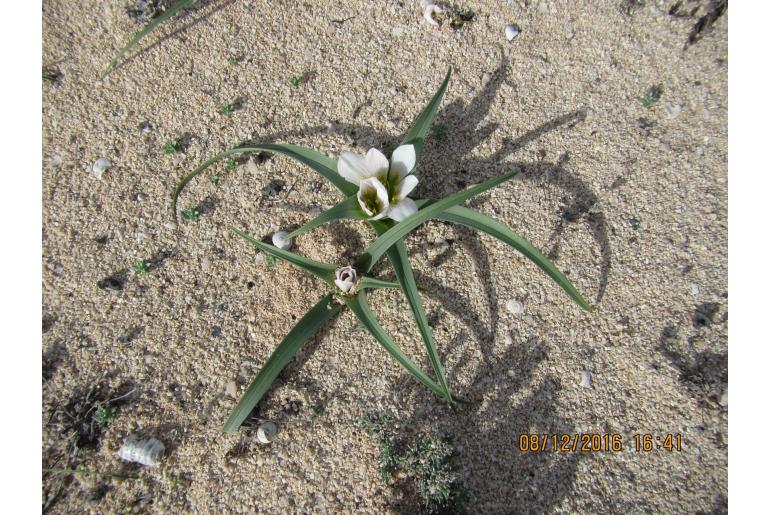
[
  {"x": 99, "y": 166},
  {"x": 231, "y": 389},
  {"x": 266, "y": 433},
  {"x": 428, "y": 10},
  {"x": 511, "y": 31},
  {"x": 145, "y": 452},
  {"x": 514, "y": 306},
  {"x": 281, "y": 241},
  {"x": 585, "y": 379},
  {"x": 695, "y": 288}
]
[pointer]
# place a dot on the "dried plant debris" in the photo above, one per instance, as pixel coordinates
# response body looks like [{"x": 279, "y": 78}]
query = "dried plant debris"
[{"x": 715, "y": 10}]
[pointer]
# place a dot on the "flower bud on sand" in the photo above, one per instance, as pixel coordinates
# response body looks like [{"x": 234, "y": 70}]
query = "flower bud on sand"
[{"x": 346, "y": 279}]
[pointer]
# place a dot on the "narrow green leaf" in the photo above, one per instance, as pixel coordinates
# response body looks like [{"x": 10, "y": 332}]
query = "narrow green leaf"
[
  {"x": 481, "y": 222},
  {"x": 347, "y": 209},
  {"x": 322, "y": 164},
  {"x": 168, "y": 13},
  {"x": 321, "y": 270},
  {"x": 401, "y": 229},
  {"x": 360, "y": 307},
  {"x": 418, "y": 132},
  {"x": 403, "y": 269},
  {"x": 308, "y": 325},
  {"x": 371, "y": 282}
]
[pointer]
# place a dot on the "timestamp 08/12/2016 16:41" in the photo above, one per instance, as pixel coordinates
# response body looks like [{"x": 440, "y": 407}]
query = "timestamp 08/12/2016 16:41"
[{"x": 598, "y": 442}]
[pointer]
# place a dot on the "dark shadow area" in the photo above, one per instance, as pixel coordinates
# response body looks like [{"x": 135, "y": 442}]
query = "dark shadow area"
[{"x": 497, "y": 477}]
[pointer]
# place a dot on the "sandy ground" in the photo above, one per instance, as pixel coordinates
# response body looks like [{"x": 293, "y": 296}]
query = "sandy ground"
[{"x": 630, "y": 201}]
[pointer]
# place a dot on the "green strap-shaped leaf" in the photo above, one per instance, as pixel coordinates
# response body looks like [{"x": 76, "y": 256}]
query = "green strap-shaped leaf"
[
  {"x": 322, "y": 164},
  {"x": 321, "y": 270},
  {"x": 168, "y": 13},
  {"x": 307, "y": 326},
  {"x": 360, "y": 307},
  {"x": 403, "y": 269},
  {"x": 418, "y": 132},
  {"x": 401, "y": 229},
  {"x": 371, "y": 282},
  {"x": 347, "y": 209},
  {"x": 481, "y": 222}
]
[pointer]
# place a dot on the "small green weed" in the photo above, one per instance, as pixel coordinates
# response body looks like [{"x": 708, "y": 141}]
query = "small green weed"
[
  {"x": 141, "y": 267},
  {"x": 191, "y": 214},
  {"x": 171, "y": 146},
  {"x": 214, "y": 178},
  {"x": 271, "y": 261},
  {"x": 105, "y": 416},
  {"x": 428, "y": 463},
  {"x": 232, "y": 60},
  {"x": 226, "y": 109},
  {"x": 295, "y": 80},
  {"x": 231, "y": 164},
  {"x": 652, "y": 96}
]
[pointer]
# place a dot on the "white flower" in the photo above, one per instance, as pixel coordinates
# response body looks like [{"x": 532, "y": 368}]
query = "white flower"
[
  {"x": 383, "y": 186},
  {"x": 345, "y": 279}
]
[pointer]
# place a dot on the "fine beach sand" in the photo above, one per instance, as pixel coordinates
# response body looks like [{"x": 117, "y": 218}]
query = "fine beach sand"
[{"x": 629, "y": 201}]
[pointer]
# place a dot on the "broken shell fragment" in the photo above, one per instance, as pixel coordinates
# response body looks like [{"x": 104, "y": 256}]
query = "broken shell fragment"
[
  {"x": 266, "y": 433},
  {"x": 281, "y": 240},
  {"x": 585, "y": 379},
  {"x": 146, "y": 452},
  {"x": 99, "y": 167},
  {"x": 428, "y": 10},
  {"x": 511, "y": 31}
]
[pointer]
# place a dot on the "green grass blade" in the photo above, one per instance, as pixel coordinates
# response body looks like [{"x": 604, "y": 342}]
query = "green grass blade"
[
  {"x": 321, "y": 270},
  {"x": 308, "y": 325},
  {"x": 401, "y": 229},
  {"x": 418, "y": 132},
  {"x": 360, "y": 307},
  {"x": 371, "y": 282},
  {"x": 168, "y": 13},
  {"x": 322, "y": 164},
  {"x": 347, "y": 209},
  {"x": 476, "y": 220},
  {"x": 403, "y": 269}
]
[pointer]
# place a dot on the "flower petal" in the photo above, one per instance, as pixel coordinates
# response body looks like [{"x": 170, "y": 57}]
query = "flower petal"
[
  {"x": 404, "y": 209},
  {"x": 352, "y": 167},
  {"x": 403, "y": 160},
  {"x": 376, "y": 163},
  {"x": 406, "y": 186},
  {"x": 373, "y": 198}
]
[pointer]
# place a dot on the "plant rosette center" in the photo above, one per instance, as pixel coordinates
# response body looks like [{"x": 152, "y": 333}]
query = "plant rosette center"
[
  {"x": 346, "y": 280},
  {"x": 383, "y": 186}
]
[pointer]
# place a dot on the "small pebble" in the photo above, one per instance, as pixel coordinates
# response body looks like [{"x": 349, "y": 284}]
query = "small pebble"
[
  {"x": 231, "y": 389},
  {"x": 281, "y": 241},
  {"x": 508, "y": 340},
  {"x": 695, "y": 288},
  {"x": 515, "y": 307},
  {"x": 100, "y": 166},
  {"x": 266, "y": 433},
  {"x": 585, "y": 379},
  {"x": 397, "y": 31},
  {"x": 511, "y": 32}
]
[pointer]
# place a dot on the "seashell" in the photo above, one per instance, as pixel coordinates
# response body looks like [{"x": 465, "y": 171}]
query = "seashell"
[
  {"x": 99, "y": 166},
  {"x": 514, "y": 306},
  {"x": 281, "y": 241},
  {"x": 585, "y": 379},
  {"x": 266, "y": 433},
  {"x": 511, "y": 31},
  {"x": 145, "y": 452},
  {"x": 428, "y": 10}
]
